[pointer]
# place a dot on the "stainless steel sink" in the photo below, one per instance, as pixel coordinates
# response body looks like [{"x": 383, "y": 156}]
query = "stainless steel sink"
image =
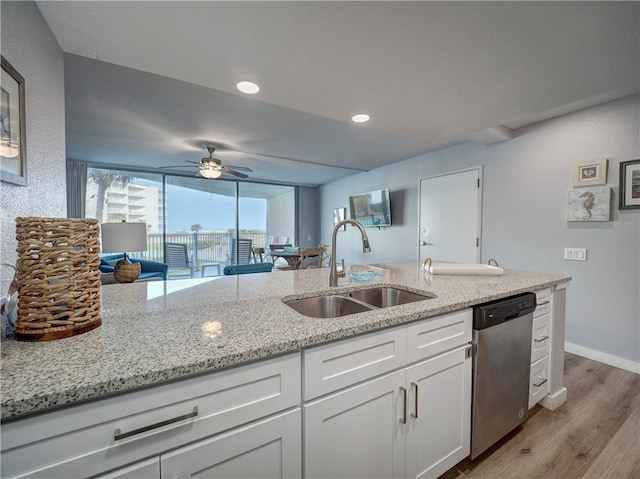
[
  {"x": 385, "y": 297},
  {"x": 359, "y": 301},
  {"x": 330, "y": 306}
]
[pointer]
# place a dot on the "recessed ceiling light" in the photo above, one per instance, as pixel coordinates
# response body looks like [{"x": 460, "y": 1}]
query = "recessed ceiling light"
[
  {"x": 360, "y": 118},
  {"x": 248, "y": 87}
]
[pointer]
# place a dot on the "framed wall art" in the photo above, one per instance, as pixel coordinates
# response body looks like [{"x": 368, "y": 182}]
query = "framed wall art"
[
  {"x": 13, "y": 144},
  {"x": 629, "y": 185},
  {"x": 590, "y": 173},
  {"x": 589, "y": 204}
]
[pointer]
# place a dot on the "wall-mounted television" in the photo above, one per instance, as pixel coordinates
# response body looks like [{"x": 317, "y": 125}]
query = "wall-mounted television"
[{"x": 372, "y": 208}]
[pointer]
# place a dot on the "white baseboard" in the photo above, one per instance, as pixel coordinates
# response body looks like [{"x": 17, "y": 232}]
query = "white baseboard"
[
  {"x": 601, "y": 357},
  {"x": 555, "y": 400}
]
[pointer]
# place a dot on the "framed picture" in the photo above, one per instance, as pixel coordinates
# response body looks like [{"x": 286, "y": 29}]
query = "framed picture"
[
  {"x": 13, "y": 144},
  {"x": 592, "y": 204},
  {"x": 629, "y": 184},
  {"x": 590, "y": 173}
]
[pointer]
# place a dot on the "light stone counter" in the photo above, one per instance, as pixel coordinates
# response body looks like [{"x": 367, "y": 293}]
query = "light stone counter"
[{"x": 158, "y": 331}]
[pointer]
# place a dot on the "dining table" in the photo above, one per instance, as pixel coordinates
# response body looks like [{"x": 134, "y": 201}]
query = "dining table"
[{"x": 290, "y": 255}]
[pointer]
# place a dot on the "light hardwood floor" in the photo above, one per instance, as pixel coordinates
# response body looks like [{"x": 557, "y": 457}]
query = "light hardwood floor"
[{"x": 594, "y": 435}]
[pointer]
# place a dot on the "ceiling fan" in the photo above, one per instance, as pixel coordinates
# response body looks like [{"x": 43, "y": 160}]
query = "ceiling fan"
[{"x": 212, "y": 168}]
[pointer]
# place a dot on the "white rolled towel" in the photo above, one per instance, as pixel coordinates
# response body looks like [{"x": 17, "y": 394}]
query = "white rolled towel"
[{"x": 461, "y": 269}]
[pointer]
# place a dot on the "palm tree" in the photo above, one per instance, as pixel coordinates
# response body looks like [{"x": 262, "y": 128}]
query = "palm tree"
[
  {"x": 195, "y": 228},
  {"x": 105, "y": 179}
]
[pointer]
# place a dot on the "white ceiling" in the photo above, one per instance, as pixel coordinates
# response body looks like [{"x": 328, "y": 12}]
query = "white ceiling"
[{"x": 430, "y": 74}]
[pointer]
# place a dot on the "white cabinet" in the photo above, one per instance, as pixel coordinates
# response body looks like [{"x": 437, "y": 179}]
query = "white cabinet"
[
  {"x": 268, "y": 449},
  {"x": 140, "y": 470},
  {"x": 93, "y": 438},
  {"x": 357, "y": 433},
  {"x": 439, "y": 414},
  {"x": 540, "y": 347},
  {"x": 412, "y": 422}
]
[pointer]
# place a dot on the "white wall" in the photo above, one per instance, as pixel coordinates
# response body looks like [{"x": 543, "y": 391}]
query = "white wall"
[
  {"x": 281, "y": 216},
  {"x": 28, "y": 44},
  {"x": 526, "y": 181}
]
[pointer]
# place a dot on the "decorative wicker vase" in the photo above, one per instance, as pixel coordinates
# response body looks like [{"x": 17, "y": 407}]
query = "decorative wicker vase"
[
  {"x": 126, "y": 272},
  {"x": 58, "y": 277}
]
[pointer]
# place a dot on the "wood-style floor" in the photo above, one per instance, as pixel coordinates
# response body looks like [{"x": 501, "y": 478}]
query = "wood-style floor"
[{"x": 594, "y": 435}]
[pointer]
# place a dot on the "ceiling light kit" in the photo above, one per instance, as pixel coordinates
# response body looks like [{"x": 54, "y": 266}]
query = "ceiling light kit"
[
  {"x": 212, "y": 168},
  {"x": 360, "y": 118},
  {"x": 248, "y": 87}
]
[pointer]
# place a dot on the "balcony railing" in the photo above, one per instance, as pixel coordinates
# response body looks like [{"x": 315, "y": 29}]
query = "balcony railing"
[{"x": 202, "y": 247}]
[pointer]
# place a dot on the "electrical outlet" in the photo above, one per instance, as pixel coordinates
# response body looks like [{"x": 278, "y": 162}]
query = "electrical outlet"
[{"x": 575, "y": 254}]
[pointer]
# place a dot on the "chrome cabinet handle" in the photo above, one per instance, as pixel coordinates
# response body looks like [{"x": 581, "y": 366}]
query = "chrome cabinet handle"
[
  {"x": 541, "y": 382},
  {"x": 542, "y": 303},
  {"x": 415, "y": 404},
  {"x": 403, "y": 419},
  {"x": 542, "y": 339},
  {"x": 118, "y": 434}
]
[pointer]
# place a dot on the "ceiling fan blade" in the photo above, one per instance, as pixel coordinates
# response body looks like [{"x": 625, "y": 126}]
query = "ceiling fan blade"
[
  {"x": 176, "y": 166},
  {"x": 226, "y": 169},
  {"x": 242, "y": 168}
]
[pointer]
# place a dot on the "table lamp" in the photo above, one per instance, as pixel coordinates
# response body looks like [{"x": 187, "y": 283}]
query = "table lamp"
[{"x": 123, "y": 237}]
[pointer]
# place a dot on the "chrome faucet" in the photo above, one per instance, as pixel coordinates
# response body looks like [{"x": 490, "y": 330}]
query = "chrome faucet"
[{"x": 333, "y": 270}]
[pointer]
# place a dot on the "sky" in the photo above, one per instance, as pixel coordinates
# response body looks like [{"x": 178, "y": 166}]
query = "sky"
[{"x": 187, "y": 207}]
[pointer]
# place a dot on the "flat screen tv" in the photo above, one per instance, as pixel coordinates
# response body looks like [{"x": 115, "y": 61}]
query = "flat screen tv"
[{"x": 372, "y": 208}]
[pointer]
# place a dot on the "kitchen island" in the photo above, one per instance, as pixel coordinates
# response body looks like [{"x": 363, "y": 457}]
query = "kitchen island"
[{"x": 164, "y": 333}]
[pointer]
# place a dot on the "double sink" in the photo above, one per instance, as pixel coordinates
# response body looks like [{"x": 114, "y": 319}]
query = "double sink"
[{"x": 357, "y": 301}]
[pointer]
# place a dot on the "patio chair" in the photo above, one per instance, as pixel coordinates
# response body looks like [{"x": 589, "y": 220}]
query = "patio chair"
[
  {"x": 243, "y": 256},
  {"x": 176, "y": 256}
]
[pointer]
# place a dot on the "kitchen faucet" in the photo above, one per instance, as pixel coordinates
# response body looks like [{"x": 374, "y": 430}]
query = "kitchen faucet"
[{"x": 333, "y": 270}]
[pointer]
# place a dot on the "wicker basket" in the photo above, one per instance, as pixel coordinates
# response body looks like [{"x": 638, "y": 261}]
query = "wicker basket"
[{"x": 58, "y": 277}]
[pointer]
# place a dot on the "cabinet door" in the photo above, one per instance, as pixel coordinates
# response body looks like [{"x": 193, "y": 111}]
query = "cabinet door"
[
  {"x": 439, "y": 404},
  {"x": 268, "y": 449},
  {"x": 357, "y": 433}
]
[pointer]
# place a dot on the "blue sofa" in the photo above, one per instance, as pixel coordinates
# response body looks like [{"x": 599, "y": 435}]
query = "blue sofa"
[{"x": 148, "y": 269}]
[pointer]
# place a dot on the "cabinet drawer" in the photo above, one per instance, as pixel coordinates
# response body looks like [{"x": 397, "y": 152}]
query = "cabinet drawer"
[
  {"x": 539, "y": 381},
  {"x": 543, "y": 301},
  {"x": 540, "y": 337},
  {"x": 83, "y": 440},
  {"x": 436, "y": 335},
  {"x": 149, "y": 469},
  {"x": 331, "y": 367}
]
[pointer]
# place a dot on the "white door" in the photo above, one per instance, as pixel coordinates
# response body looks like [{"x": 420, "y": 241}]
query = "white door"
[
  {"x": 438, "y": 430},
  {"x": 356, "y": 433},
  {"x": 450, "y": 217},
  {"x": 269, "y": 449}
]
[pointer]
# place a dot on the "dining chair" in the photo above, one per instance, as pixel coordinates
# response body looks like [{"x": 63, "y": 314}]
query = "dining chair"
[
  {"x": 280, "y": 263},
  {"x": 258, "y": 254},
  {"x": 326, "y": 255},
  {"x": 311, "y": 257}
]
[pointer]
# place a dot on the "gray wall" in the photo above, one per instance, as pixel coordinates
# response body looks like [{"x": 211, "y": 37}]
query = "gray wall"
[
  {"x": 526, "y": 181},
  {"x": 28, "y": 44},
  {"x": 308, "y": 212}
]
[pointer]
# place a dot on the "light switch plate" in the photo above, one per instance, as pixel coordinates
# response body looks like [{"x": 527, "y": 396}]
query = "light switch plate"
[{"x": 575, "y": 254}]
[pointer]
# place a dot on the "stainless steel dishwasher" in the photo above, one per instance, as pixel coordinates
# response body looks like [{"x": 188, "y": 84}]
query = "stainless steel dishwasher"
[{"x": 501, "y": 365}]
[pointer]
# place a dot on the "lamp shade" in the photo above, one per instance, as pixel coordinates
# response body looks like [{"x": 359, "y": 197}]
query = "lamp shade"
[{"x": 123, "y": 237}]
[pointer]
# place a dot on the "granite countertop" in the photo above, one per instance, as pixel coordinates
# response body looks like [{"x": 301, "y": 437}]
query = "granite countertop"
[{"x": 158, "y": 331}]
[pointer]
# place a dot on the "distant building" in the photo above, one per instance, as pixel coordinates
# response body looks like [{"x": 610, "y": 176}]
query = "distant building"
[{"x": 132, "y": 203}]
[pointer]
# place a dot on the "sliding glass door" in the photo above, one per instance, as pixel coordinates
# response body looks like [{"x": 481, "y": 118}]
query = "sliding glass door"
[{"x": 216, "y": 222}]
